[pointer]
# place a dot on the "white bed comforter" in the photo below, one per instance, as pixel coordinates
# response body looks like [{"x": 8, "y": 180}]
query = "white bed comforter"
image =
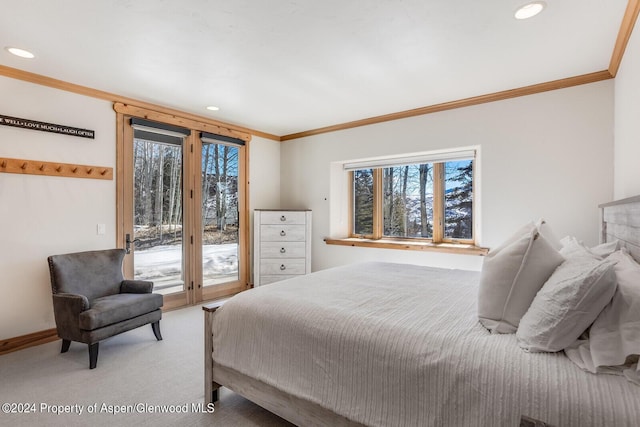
[{"x": 400, "y": 345}]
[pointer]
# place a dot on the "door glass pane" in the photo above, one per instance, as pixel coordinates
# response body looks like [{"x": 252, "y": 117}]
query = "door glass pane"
[
  {"x": 408, "y": 201},
  {"x": 458, "y": 200},
  {"x": 158, "y": 213},
  {"x": 219, "y": 213}
]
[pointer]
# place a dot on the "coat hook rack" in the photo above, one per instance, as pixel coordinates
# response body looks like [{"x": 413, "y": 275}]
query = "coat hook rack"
[{"x": 30, "y": 167}]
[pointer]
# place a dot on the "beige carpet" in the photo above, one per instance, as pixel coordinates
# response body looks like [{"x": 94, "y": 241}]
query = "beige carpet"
[{"x": 136, "y": 376}]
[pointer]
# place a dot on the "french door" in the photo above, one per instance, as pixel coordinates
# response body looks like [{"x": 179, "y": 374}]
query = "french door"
[{"x": 183, "y": 210}]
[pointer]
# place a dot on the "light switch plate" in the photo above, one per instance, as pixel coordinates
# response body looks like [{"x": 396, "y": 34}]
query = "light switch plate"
[{"x": 101, "y": 229}]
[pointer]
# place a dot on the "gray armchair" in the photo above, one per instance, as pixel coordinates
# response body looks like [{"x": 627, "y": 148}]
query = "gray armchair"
[{"x": 92, "y": 301}]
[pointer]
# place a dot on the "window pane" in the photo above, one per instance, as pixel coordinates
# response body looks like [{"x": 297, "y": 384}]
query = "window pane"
[
  {"x": 219, "y": 214},
  {"x": 458, "y": 200},
  {"x": 363, "y": 202},
  {"x": 157, "y": 210},
  {"x": 408, "y": 201}
]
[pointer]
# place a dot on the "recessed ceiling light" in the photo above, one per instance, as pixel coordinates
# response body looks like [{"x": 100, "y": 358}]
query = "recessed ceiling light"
[
  {"x": 530, "y": 10},
  {"x": 20, "y": 52},
  {"x": 212, "y": 108}
]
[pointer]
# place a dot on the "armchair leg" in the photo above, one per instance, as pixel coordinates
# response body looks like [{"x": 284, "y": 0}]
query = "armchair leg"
[
  {"x": 93, "y": 355},
  {"x": 65, "y": 346},
  {"x": 156, "y": 330}
]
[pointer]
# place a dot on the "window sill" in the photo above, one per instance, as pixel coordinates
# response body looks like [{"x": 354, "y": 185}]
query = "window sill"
[{"x": 453, "y": 248}]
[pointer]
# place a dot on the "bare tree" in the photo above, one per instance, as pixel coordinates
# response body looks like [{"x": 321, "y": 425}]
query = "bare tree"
[
  {"x": 404, "y": 200},
  {"x": 159, "y": 192},
  {"x": 206, "y": 182},
  {"x": 424, "y": 221}
]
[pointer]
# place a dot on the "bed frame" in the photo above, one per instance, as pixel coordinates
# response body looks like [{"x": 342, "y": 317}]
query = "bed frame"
[
  {"x": 619, "y": 220},
  {"x": 290, "y": 407}
]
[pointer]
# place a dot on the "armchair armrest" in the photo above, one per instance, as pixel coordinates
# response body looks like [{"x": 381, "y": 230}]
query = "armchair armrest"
[
  {"x": 136, "y": 287},
  {"x": 70, "y": 303},
  {"x": 67, "y": 309}
]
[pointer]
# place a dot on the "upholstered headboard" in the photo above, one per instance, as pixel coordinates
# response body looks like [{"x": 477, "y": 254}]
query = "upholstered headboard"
[{"x": 621, "y": 221}]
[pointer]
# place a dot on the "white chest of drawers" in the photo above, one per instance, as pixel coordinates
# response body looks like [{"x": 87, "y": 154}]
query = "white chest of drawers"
[{"x": 281, "y": 245}]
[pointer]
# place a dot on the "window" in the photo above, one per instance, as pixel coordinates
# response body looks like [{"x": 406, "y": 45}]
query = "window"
[{"x": 427, "y": 197}]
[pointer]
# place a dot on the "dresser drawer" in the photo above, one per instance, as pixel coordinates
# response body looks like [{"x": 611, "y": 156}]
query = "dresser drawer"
[
  {"x": 270, "y": 267},
  {"x": 282, "y": 249},
  {"x": 282, "y": 233},
  {"x": 283, "y": 217}
]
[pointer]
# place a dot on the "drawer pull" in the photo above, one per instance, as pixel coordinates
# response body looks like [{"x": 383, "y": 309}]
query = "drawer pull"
[
  {"x": 282, "y": 250},
  {"x": 282, "y": 267},
  {"x": 283, "y": 218},
  {"x": 283, "y": 233}
]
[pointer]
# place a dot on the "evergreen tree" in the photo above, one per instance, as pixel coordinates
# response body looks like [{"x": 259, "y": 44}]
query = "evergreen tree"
[
  {"x": 363, "y": 201},
  {"x": 459, "y": 204}
]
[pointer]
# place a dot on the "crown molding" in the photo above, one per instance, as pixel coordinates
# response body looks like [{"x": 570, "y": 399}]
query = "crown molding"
[
  {"x": 107, "y": 96},
  {"x": 626, "y": 28},
  {"x": 466, "y": 102}
]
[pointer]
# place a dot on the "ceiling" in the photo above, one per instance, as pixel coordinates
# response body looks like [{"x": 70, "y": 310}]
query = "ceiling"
[{"x": 287, "y": 66}]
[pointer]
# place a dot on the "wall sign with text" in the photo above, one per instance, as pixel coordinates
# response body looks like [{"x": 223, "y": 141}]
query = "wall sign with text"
[{"x": 46, "y": 127}]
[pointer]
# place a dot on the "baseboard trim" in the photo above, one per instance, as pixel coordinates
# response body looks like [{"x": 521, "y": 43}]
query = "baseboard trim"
[{"x": 10, "y": 345}]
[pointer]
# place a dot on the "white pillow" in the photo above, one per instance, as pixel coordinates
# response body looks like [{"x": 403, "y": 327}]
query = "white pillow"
[
  {"x": 572, "y": 247},
  {"x": 545, "y": 230},
  {"x": 614, "y": 337},
  {"x": 511, "y": 276},
  {"x": 567, "y": 304},
  {"x": 605, "y": 249}
]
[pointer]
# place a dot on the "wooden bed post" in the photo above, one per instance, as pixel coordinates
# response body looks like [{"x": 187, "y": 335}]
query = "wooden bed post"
[{"x": 210, "y": 388}]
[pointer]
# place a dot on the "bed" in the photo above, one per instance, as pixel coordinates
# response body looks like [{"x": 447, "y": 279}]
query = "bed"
[{"x": 382, "y": 344}]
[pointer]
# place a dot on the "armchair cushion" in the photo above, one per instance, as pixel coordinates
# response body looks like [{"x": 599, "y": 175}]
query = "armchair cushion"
[
  {"x": 136, "y": 287},
  {"x": 111, "y": 309}
]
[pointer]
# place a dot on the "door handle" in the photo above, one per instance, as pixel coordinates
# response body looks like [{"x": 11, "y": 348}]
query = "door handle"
[{"x": 128, "y": 243}]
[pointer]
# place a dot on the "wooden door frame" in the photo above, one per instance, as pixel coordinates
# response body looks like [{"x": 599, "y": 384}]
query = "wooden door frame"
[
  {"x": 203, "y": 293},
  {"x": 194, "y": 292}
]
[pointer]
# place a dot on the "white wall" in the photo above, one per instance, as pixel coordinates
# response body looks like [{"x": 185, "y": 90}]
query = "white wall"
[
  {"x": 264, "y": 174},
  {"x": 264, "y": 180},
  {"x": 43, "y": 215},
  {"x": 546, "y": 155},
  {"x": 627, "y": 122}
]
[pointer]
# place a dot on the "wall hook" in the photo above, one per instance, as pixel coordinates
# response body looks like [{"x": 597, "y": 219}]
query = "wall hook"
[
  {"x": 41, "y": 167},
  {"x": 4, "y": 164},
  {"x": 24, "y": 165},
  {"x": 59, "y": 168},
  {"x": 89, "y": 171},
  {"x": 74, "y": 169}
]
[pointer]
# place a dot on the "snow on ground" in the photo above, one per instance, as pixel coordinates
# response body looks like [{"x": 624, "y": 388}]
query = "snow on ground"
[{"x": 163, "y": 264}]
